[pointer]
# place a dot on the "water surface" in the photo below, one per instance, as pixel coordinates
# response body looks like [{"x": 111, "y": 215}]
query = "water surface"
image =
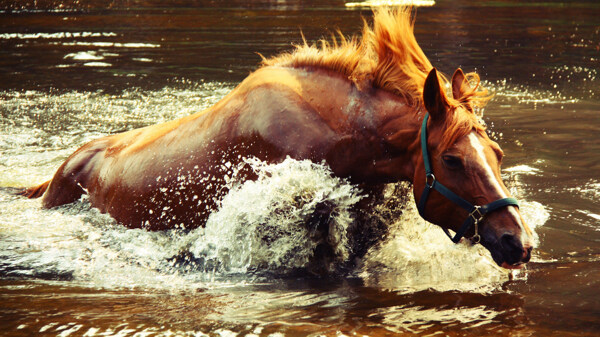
[{"x": 75, "y": 71}]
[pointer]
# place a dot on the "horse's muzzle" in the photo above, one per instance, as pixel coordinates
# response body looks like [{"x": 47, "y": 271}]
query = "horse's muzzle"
[{"x": 509, "y": 252}]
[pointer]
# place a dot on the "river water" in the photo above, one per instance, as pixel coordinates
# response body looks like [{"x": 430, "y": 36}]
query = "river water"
[{"x": 72, "y": 71}]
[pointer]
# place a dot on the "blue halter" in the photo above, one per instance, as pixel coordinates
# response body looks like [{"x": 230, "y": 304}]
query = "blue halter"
[{"x": 476, "y": 212}]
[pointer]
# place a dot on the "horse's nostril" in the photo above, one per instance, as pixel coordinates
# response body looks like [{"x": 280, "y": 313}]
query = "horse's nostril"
[
  {"x": 509, "y": 241},
  {"x": 513, "y": 249}
]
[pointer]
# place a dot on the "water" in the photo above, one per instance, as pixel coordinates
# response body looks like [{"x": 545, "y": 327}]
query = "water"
[{"x": 75, "y": 71}]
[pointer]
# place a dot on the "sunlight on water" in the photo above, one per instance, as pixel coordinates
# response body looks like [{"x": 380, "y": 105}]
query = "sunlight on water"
[
  {"x": 590, "y": 190},
  {"x": 112, "y": 44},
  {"x": 411, "y": 318},
  {"x": 505, "y": 89},
  {"x": 84, "y": 55},
  {"x": 559, "y": 84},
  {"x": 384, "y": 3},
  {"x": 522, "y": 169},
  {"x": 57, "y": 35},
  {"x": 45, "y": 128}
]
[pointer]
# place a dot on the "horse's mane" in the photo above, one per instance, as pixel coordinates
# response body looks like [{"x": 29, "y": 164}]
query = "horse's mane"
[{"x": 386, "y": 56}]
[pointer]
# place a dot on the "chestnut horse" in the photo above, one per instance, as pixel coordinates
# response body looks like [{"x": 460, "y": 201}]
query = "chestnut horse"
[{"x": 356, "y": 104}]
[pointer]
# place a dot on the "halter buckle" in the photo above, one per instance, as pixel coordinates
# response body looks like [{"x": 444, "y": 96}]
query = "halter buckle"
[
  {"x": 428, "y": 177},
  {"x": 476, "y": 215},
  {"x": 476, "y": 238}
]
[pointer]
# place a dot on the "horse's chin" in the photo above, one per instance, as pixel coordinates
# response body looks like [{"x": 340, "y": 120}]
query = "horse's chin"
[
  {"x": 512, "y": 266},
  {"x": 497, "y": 257}
]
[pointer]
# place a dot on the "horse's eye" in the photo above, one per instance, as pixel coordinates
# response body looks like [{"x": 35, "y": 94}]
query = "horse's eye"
[{"x": 452, "y": 162}]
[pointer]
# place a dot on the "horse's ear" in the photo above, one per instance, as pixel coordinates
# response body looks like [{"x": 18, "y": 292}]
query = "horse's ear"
[
  {"x": 458, "y": 84},
  {"x": 434, "y": 98}
]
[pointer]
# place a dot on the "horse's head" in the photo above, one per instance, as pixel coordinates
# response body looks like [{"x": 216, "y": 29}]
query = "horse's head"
[{"x": 463, "y": 163}]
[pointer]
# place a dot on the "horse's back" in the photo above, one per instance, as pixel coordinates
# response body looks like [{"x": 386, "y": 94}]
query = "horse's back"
[{"x": 173, "y": 172}]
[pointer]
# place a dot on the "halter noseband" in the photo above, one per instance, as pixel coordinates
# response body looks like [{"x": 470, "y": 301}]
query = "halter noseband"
[{"x": 476, "y": 212}]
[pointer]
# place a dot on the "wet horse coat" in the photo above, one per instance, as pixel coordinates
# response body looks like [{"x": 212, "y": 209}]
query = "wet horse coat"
[
  {"x": 357, "y": 106},
  {"x": 173, "y": 173}
]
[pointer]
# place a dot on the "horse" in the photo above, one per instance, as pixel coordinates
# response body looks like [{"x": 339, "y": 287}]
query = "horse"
[{"x": 373, "y": 108}]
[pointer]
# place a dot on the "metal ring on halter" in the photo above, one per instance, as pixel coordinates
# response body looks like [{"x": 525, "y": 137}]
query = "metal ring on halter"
[
  {"x": 427, "y": 177},
  {"x": 479, "y": 214},
  {"x": 476, "y": 237}
]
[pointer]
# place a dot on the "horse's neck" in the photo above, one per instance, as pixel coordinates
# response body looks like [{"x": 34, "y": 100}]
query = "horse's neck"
[
  {"x": 384, "y": 142},
  {"x": 383, "y": 121},
  {"x": 399, "y": 128},
  {"x": 374, "y": 126}
]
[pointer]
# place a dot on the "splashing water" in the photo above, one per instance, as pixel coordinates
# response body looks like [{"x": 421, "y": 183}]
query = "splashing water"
[
  {"x": 267, "y": 225},
  {"x": 418, "y": 256},
  {"x": 41, "y": 129}
]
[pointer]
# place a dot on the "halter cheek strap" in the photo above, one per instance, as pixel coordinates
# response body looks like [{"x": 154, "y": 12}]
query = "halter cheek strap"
[{"x": 476, "y": 212}]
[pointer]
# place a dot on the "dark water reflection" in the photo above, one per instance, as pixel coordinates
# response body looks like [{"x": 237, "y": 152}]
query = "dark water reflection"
[
  {"x": 150, "y": 45},
  {"x": 319, "y": 308},
  {"x": 541, "y": 59}
]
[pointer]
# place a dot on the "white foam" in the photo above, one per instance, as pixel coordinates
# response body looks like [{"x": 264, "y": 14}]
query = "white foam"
[
  {"x": 262, "y": 224},
  {"x": 419, "y": 256}
]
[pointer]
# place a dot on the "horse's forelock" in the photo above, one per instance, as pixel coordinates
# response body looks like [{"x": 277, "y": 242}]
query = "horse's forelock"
[{"x": 458, "y": 124}]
